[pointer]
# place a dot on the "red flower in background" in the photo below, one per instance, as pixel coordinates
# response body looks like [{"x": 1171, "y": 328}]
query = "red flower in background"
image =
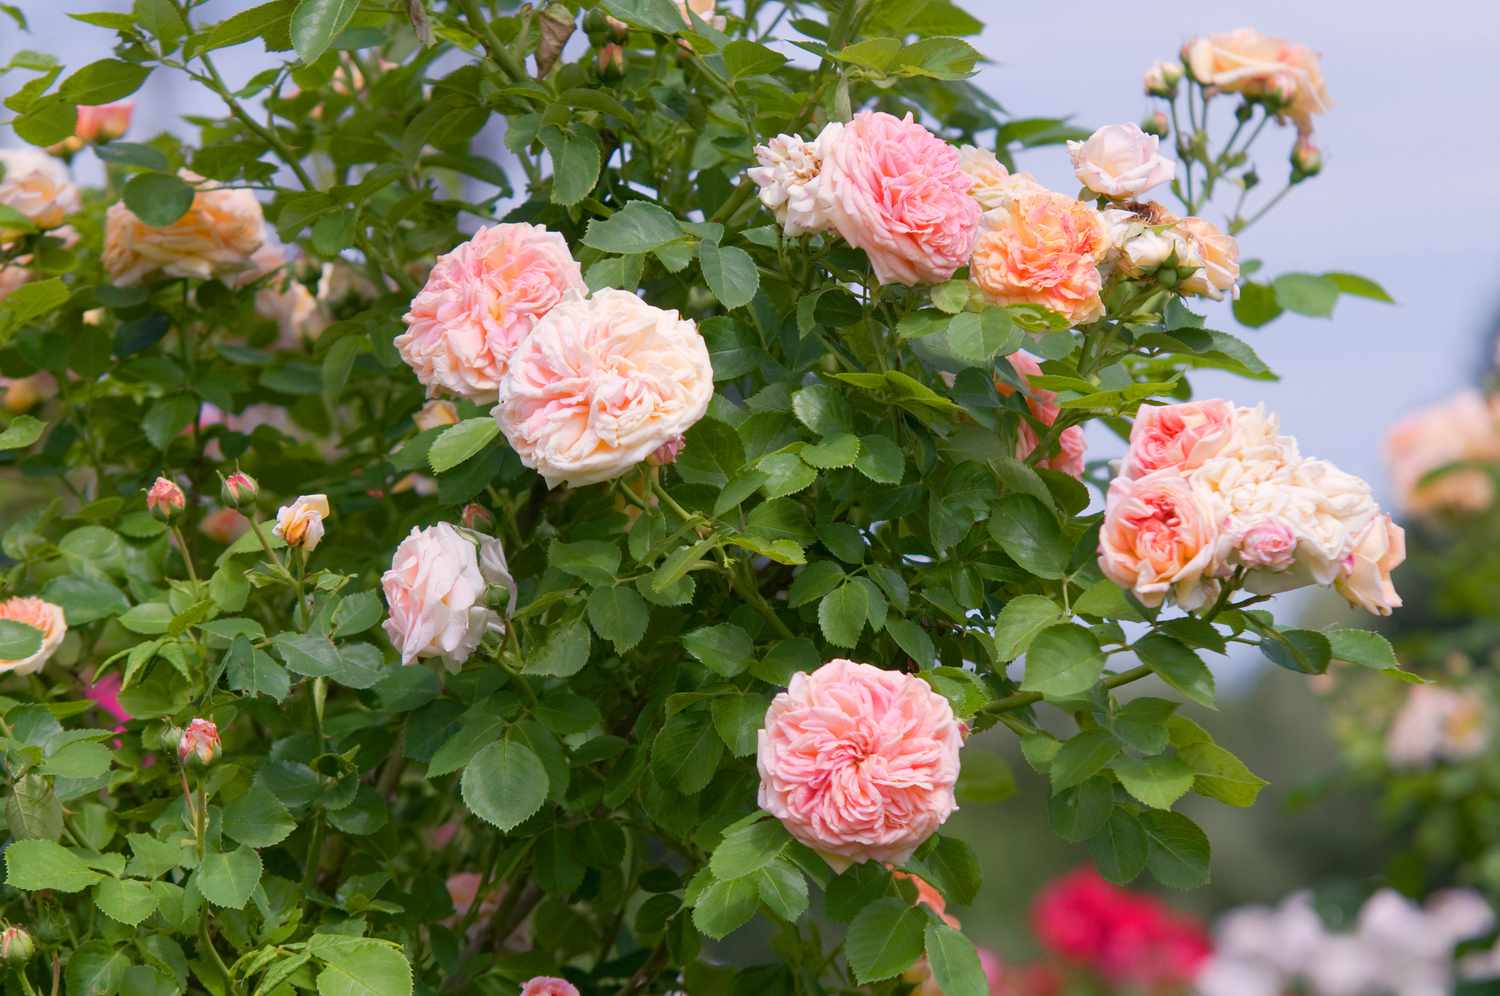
[{"x": 1127, "y": 937}]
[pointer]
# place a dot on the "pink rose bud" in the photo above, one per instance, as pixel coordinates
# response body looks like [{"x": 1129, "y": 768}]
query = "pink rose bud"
[
  {"x": 667, "y": 452},
  {"x": 199, "y": 743},
  {"x": 611, "y": 62},
  {"x": 16, "y": 946},
  {"x": 239, "y": 490},
  {"x": 103, "y": 122},
  {"x": 1156, "y": 124},
  {"x": 1162, "y": 78},
  {"x": 478, "y": 518},
  {"x": 165, "y": 499},
  {"x": 1307, "y": 159}
]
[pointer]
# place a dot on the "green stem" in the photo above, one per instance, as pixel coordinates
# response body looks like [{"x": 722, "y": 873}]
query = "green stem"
[
  {"x": 208, "y": 943},
  {"x": 496, "y": 50},
  {"x": 25, "y": 982},
  {"x": 1020, "y": 700},
  {"x": 742, "y": 582},
  {"x": 1267, "y": 207},
  {"x": 187, "y": 556},
  {"x": 671, "y": 502}
]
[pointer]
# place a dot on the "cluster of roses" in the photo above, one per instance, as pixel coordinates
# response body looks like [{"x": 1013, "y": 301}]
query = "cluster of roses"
[
  {"x": 1396, "y": 946},
  {"x": 1209, "y": 491}
]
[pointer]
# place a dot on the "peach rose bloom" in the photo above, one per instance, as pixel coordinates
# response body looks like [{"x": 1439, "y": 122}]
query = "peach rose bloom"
[
  {"x": 859, "y": 763},
  {"x": 436, "y": 414},
  {"x": 1120, "y": 161},
  {"x": 705, "y": 11},
  {"x": 1258, "y": 65},
  {"x": 1183, "y": 436},
  {"x": 788, "y": 180},
  {"x": 600, "y": 384},
  {"x": 224, "y": 525},
  {"x": 1217, "y": 254},
  {"x": 97, "y": 123},
  {"x": 1366, "y": 580},
  {"x": 1043, "y": 249},
  {"x": 436, "y": 592},
  {"x": 300, "y": 524},
  {"x": 481, "y": 300},
  {"x": 1042, "y": 404},
  {"x": 1160, "y": 537},
  {"x": 991, "y": 184},
  {"x": 40, "y": 615},
  {"x": 37, "y": 186},
  {"x": 25, "y": 393},
  {"x": 546, "y": 985},
  {"x": 217, "y": 237},
  {"x": 896, "y": 190},
  {"x": 1462, "y": 428},
  {"x": 1437, "y": 724}
]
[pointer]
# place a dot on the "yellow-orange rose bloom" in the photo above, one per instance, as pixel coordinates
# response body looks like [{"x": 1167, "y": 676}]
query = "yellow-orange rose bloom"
[
  {"x": 217, "y": 236},
  {"x": 1042, "y": 248}
]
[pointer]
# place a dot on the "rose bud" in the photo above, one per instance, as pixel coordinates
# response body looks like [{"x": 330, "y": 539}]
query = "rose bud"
[
  {"x": 611, "y": 62},
  {"x": 238, "y": 490},
  {"x": 165, "y": 499},
  {"x": 199, "y": 743},
  {"x": 16, "y": 946},
  {"x": 1162, "y": 78},
  {"x": 1307, "y": 159},
  {"x": 300, "y": 524},
  {"x": 478, "y": 518},
  {"x": 596, "y": 26},
  {"x": 1156, "y": 124},
  {"x": 667, "y": 452}
]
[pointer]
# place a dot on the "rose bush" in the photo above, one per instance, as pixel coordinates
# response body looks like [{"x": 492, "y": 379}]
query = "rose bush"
[{"x": 436, "y": 566}]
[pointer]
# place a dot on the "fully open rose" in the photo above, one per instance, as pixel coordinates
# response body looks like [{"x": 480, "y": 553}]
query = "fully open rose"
[{"x": 216, "y": 237}]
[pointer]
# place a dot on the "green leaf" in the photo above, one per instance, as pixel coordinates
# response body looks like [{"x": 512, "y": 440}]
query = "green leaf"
[
  {"x": 504, "y": 784},
  {"x": 725, "y": 649},
  {"x": 1220, "y": 775},
  {"x": 34, "y": 864},
  {"x": 360, "y": 966},
  {"x": 254, "y": 672},
  {"x": 575, "y": 161},
  {"x": 653, "y": 15},
  {"x": 783, "y": 888},
  {"x": 125, "y": 900},
  {"x": 885, "y": 939},
  {"x": 1302, "y": 650},
  {"x": 1358, "y": 286},
  {"x": 747, "y": 58},
  {"x": 1362, "y": 647},
  {"x": 880, "y": 459},
  {"x": 1028, "y": 532},
  {"x": 258, "y": 819},
  {"x": 842, "y": 613},
  {"x": 564, "y": 654},
  {"x": 1081, "y": 811},
  {"x": 686, "y": 753},
  {"x": 21, "y": 433},
  {"x": 228, "y": 878},
  {"x": 1306, "y": 294},
  {"x": 724, "y": 907},
  {"x": 1142, "y": 723},
  {"x": 913, "y": 639},
  {"x": 748, "y": 849},
  {"x": 738, "y": 718},
  {"x": 1062, "y": 660},
  {"x": 158, "y": 199},
  {"x": 837, "y": 451},
  {"x": 459, "y": 442},
  {"x": 636, "y": 228},
  {"x": 1020, "y": 621},
  {"x": 1156, "y": 781},
  {"x": 1119, "y": 849},
  {"x": 1179, "y": 850},
  {"x": 593, "y": 560},
  {"x": 85, "y": 599},
  {"x": 1178, "y": 666},
  {"x": 822, "y": 409},
  {"x": 619, "y": 615},
  {"x": 1082, "y": 757},
  {"x": 818, "y": 579},
  {"x": 955, "y": 963},
  {"x": 730, "y": 273},
  {"x": 167, "y": 417},
  {"x": 80, "y": 759},
  {"x": 97, "y": 968},
  {"x": 316, "y": 23},
  {"x": 786, "y": 474},
  {"x": 985, "y": 778},
  {"x": 1256, "y": 304},
  {"x": 103, "y": 82},
  {"x": 32, "y": 809},
  {"x": 310, "y": 654},
  {"x": 953, "y": 867},
  {"x": 18, "y": 640}
]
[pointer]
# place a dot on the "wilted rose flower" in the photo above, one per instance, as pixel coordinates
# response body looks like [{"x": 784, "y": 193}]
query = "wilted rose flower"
[
  {"x": 859, "y": 763},
  {"x": 895, "y": 190},
  {"x": 1257, "y": 65},
  {"x": 546, "y": 985},
  {"x": 436, "y": 414},
  {"x": 300, "y": 524},
  {"x": 1160, "y": 537},
  {"x": 1120, "y": 161},
  {"x": 165, "y": 499},
  {"x": 1042, "y": 404},
  {"x": 480, "y": 302},
  {"x": 38, "y": 186},
  {"x": 1366, "y": 578},
  {"x": 436, "y": 592},
  {"x": 1043, "y": 249},
  {"x": 600, "y": 384},
  {"x": 217, "y": 236},
  {"x": 788, "y": 181},
  {"x": 39, "y": 615},
  {"x": 199, "y": 743}
]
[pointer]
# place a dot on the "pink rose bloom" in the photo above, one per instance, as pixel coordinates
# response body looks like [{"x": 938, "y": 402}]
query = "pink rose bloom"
[
  {"x": 481, "y": 300},
  {"x": 1269, "y": 544},
  {"x": 463, "y": 890},
  {"x": 436, "y": 591},
  {"x": 1121, "y": 162},
  {"x": 1437, "y": 724},
  {"x": 1159, "y": 537},
  {"x": 1366, "y": 580},
  {"x": 40, "y": 615},
  {"x": 38, "y": 186},
  {"x": 600, "y": 384},
  {"x": 1042, "y": 404},
  {"x": 859, "y": 763},
  {"x": 1258, "y": 65},
  {"x": 1183, "y": 436},
  {"x": 1043, "y": 249},
  {"x": 546, "y": 985},
  {"x": 216, "y": 237},
  {"x": 895, "y": 190},
  {"x": 1462, "y": 428}
]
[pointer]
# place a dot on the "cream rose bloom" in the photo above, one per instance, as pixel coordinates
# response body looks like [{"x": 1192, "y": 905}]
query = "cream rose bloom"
[
  {"x": 38, "y": 615},
  {"x": 37, "y": 186},
  {"x": 788, "y": 181},
  {"x": 1257, "y": 65},
  {"x": 218, "y": 236},
  {"x": 1216, "y": 254},
  {"x": 600, "y": 384},
  {"x": 436, "y": 591},
  {"x": 1366, "y": 578},
  {"x": 300, "y": 524},
  {"x": 993, "y": 186},
  {"x": 1120, "y": 161}
]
